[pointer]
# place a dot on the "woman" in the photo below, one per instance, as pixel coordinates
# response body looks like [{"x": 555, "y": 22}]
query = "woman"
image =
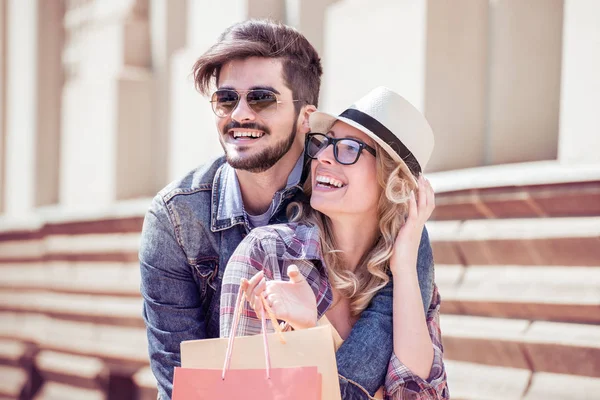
[{"x": 362, "y": 228}]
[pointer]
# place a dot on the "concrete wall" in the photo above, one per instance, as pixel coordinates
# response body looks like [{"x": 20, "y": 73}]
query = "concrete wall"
[
  {"x": 579, "y": 140},
  {"x": 97, "y": 102},
  {"x": 169, "y": 31},
  {"x": 3, "y": 57},
  {"x": 107, "y": 126},
  {"x": 455, "y": 82},
  {"x": 21, "y": 106},
  {"x": 389, "y": 49},
  {"x": 50, "y": 82},
  {"x": 525, "y": 43}
]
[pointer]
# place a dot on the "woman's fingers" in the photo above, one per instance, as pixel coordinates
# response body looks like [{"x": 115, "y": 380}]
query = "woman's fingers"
[
  {"x": 253, "y": 288},
  {"x": 430, "y": 198},
  {"x": 257, "y": 291},
  {"x": 422, "y": 194},
  {"x": 252, "y": 282},
  {"x": 412, "y": 208},
  {"x": 426, "y": 200}
]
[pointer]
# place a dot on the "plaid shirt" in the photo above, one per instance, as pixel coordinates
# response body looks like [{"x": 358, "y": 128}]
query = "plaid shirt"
[{"x": 272, "y": 249}]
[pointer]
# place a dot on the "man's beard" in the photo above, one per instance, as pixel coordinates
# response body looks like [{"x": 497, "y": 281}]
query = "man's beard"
[{"x": 265, "y": 158}]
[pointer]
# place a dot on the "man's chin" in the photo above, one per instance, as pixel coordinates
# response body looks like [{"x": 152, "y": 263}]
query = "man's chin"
[{"x": 251, "y": 164}]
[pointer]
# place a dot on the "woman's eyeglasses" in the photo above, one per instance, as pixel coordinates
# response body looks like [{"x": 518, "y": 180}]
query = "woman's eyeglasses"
[
  {"x": 262, "y": 102},
  {"x": 346, "y": 151}
]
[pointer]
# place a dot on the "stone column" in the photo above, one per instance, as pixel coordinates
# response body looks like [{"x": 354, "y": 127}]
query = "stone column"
[
  {"x": 193, "y": 137},
  {"x": 168, "y": 28},
  {"x": 431, "y": 52},
  {"x": 579, "y": 140},
  {"x": 455, "y": 81},
  {"x": 3, "y": 54},
  {"x": 21, "y": 110},
  {"x": 31, "y": 104},
  {"x": 106, "y": 147},
  {"x": 49, "y": 90},
  {"x": 308, "y": 16},
  {"x": 525, "y": 45}
]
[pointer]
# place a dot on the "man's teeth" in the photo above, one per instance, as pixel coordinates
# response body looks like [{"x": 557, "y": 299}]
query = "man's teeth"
[
  {"x": 329, "y": 181},
  {"x": 254, "y": 134}
]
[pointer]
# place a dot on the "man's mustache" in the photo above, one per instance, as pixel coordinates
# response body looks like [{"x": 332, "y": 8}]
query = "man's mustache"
[{"x": 250, "y": 125}]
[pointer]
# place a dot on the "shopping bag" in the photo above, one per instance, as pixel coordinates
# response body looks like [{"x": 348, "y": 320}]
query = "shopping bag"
[
  {"x": 303, "y": 367},
  {"x": 299, "y": 383}
]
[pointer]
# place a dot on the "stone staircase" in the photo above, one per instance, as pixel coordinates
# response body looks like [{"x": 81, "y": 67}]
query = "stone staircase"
[
  {"x": 70, "y": 311},
  {"x": 518, "y": 266}
]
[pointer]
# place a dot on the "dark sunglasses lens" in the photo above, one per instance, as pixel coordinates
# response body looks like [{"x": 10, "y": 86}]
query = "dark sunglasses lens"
[
  {"x": 315, "y": 144},
  {"x": 347, "y": 151},
  {"x": 224, "y": 101},
  {"x": 262, "y": 101}
]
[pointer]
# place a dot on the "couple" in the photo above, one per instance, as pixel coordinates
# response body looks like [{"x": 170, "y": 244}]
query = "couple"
[{"x": 361, "y": 257}]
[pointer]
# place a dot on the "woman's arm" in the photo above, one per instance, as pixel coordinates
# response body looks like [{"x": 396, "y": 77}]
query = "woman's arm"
[
  {"x": 247, "y": 260},
  {"x": 412, "y": 343},
  {"x": 371, "y": 340},
  {"x": 256, "y": 267},
  {"x": 402, "y": 383}
]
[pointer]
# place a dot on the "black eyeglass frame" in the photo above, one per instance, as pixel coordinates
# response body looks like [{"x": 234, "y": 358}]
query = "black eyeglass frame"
[
  {"x": 245, "y": 93},
  {"x": 334, "y": 142}
]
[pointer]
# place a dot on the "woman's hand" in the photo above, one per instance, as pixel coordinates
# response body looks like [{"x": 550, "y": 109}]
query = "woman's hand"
[
  {"x": 292, "y": 301},
  {"x": 406, "y": 246}
]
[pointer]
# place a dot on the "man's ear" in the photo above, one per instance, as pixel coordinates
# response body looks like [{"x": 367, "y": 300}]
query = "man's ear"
[{"x": 306, "y": 111}]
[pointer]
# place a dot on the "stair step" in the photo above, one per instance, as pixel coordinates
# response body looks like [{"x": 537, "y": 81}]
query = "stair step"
[
  {"x": 557, "y": 293},
  {"x": 85, "y": 372},
  {"x": 538, "y": 346},
  {"x": 545, "y": 241},
  {"x": 72, "y": 247},
  {"x": 59, "y": 391},
  {"x": 123, "y": 311},
  {"x": 476, "y": 381},
  {"x": 12, "y": 381},
  {"x": 114, "y": 345},
  {"x": 546, "y": 386},
  {"x": 146, "y": 384},
  {"x": 12, "y": 352},
  {"x": 103, "y": 278}
]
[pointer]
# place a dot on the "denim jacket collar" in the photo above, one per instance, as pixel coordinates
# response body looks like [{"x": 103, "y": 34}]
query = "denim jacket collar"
[{"x": 227, "y": 204}]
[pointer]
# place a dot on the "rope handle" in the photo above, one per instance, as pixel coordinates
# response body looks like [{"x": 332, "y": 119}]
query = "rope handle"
[
  {"x": 274, "y": 321},
  {"x": 234, "y": 328}
]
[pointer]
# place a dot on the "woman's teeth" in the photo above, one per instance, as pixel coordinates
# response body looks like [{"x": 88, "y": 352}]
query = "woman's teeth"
[
  {"x": 328, "y": 181},
  {"x": 249, "y": 134}
]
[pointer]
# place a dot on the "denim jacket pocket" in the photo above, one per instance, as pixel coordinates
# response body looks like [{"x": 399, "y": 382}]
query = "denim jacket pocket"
[{"x": 206, "y": 270}]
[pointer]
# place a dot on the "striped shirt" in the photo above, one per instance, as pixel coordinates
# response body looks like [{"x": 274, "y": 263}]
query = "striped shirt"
[{"x": 272, "y": 249}]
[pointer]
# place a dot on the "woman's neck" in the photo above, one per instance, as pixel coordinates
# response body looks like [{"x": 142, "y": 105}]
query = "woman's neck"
[{"x": 354, "y": 237}]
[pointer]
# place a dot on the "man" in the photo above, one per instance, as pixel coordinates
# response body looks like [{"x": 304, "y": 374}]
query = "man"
[{"x": 267, "y": 77}]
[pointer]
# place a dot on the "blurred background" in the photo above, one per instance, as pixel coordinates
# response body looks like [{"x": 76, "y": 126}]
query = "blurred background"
[{"x": 98, "y": 112}]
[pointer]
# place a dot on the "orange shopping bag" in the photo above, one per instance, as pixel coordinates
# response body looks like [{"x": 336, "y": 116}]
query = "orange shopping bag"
[{"x": 290, "y": 382}]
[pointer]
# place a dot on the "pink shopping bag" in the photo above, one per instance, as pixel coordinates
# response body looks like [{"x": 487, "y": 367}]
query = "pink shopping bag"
[{"x": 301, "y": 382}]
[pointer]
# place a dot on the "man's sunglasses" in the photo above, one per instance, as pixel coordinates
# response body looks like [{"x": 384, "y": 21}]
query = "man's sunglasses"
[
  {"x": 262, "y": 102},
  {"x": 346, "y": 151}
]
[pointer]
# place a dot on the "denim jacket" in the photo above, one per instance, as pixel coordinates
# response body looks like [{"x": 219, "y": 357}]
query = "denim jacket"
[{"x": 190, "y": 231}]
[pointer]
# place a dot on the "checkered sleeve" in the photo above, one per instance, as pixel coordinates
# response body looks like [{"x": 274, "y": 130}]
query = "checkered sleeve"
[
  {"x": 401, "y": 383},
  {"x": 248, "y": 259}
]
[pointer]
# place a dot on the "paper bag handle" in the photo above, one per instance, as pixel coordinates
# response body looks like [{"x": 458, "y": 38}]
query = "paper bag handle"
[{"x": 233, "y": 333}]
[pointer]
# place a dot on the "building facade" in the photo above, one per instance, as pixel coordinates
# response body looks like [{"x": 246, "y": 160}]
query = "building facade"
[{"x": 97, "y": 104}]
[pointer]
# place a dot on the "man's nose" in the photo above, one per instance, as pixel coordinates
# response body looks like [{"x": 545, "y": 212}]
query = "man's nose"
[{"x": 242, "y": 111}]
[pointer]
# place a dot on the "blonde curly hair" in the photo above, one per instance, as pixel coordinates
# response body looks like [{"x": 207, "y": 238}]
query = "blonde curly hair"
[{"x": 371, "y": 274}]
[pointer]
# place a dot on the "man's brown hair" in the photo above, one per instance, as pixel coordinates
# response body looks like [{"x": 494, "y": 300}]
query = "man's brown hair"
[{"x": 268, "y": 39}]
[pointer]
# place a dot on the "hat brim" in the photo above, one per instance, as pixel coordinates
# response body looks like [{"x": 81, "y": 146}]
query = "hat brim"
[{"x": 321, "y": 122}]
